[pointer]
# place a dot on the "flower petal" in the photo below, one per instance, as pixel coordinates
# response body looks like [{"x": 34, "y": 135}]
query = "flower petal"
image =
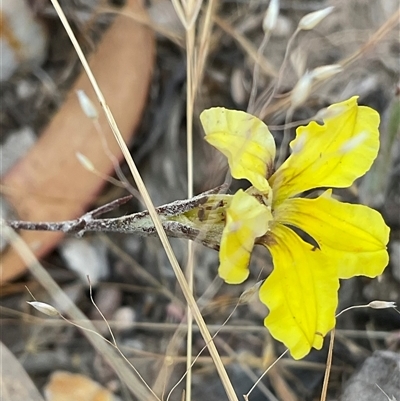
[
  {"x": 354, "y": 237},
  {"x": 245, "y": 140},
  {"x": 330, "y": 155},
  {"x": 301, "y": 293},
  {"x": 246, "y": 219}
]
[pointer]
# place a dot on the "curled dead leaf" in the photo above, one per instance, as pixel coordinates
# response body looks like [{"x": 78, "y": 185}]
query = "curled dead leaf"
[{"x": 50, "y": 183}]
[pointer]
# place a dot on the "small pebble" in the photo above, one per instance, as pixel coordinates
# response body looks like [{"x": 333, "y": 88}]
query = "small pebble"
[
  {"x": 23, "y": 39},
  {"x": 86, "y": 258},
  {"x": 15, "y": 147},
  {"x": 394, "y": 251}
]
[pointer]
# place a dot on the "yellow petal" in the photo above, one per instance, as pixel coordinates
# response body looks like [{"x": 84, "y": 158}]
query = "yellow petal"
[
  {"x": 301, "y": 293},
  {"x": 246, "y": 219},
  {"x": 244, "y": 140},
  {"x": 330, "y": 155},
  {"x": 354, "y": 237}
]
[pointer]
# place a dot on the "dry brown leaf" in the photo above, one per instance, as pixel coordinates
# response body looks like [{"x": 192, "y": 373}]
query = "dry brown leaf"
[{"x": 49, "y": 184}]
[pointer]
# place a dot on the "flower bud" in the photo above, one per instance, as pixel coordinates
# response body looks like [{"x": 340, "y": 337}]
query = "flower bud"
[
  {"x": 87, "y": 105},
  {"x": 248, "y": 294},
  {"x": 271, "y": 16},
  {"x": 382, "y": 304},
  {"x": 86, "y": 163},
  {"x": 44, "y": 308},
  {"x": 326, "y": 71},
  {"x": 311, "y": 20},
  {"x": 302, "y": 90}
]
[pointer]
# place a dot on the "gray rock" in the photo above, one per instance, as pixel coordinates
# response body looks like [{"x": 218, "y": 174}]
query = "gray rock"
[
  {"x": 378, "y": 379},
  {"x": 16, "y": 145}
]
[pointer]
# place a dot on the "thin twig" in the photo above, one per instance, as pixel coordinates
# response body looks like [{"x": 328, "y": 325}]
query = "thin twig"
[{"x": 140, "y": 223}]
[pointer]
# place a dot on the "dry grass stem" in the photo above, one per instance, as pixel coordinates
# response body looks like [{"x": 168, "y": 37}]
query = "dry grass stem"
[
  {"x": 246, "y": 396},
  {"x": 143, "y": 18},
  {"x": 248, "y": 47},
  {"x": 256, "y": 71},
  {"x": 325, "y": 384},
  {"x": 43, "y": 277},
  {"x": 144, "y": 298},
  {"x": 195, "y": 61},
  {"x": 143, "y": 191},
  {"x": 284, "y": 102},
  {"x": 190, "y": 51}
]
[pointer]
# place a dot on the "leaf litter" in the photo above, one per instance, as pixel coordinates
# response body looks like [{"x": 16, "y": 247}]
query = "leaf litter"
[{"x": 161, "y": 149}]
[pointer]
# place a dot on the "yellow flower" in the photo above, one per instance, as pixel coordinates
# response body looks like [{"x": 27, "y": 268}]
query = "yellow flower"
[{"x": 347, "y": 240}]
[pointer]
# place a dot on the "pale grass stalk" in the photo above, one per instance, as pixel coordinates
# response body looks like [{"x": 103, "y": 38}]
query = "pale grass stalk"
[
  {"x": 189, "y": 338},
  {"x": 204, "y": 41},
  {"x": 306, "y": 23},
  {"x": 179, "y": 9},
  {"x": 286, "y": 138},
  {"x": 256, "y": 72},
  {"x": 200, "y": 352},
  {"x": 137, "y": 387},
  {"x": 385, "y": 394},
  {"x": 114, "y": 341},
  {"x": 242, "y": 300},
  {"x": 266, "y": 67},
  {"x": 281, "y": 69},
  {"x": 247, "y": 395},
  {"x": 377, "y": 37},
  {"x": 169, "y": 358},
  {"x": 123, "y": 181},
  {"x": 87, "y": 164},
  {"x": 169, "y": 327},
  {"x": 90, "y": 111},
  {"x": 194, "y": 10},
  {"x": 269, "y": 23},
  {"x": 150, "y": 206},
  {"x": 115, "y": 161},
  {"x": 249, "y": 372},
  {"x": 190, "y": 65},
  {"x": 372, "y": 305},
  {"x": 143, "y": 273},
  {"x": 187, "y": 11},
  {"x": 195, "y": 60},
  {"x": 143, "y": 18},
  {"x": 325, "y": 384}
]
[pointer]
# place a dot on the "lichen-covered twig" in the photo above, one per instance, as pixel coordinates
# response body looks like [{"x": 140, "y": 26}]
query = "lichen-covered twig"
[{"x": 200, "y": 218}]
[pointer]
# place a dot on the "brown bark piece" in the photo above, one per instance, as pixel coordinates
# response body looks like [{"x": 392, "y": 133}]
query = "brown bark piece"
[{"x": 50, "y": 184}]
